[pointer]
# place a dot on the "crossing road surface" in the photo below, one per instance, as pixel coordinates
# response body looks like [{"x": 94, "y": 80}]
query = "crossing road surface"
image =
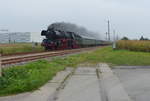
[
  {"x": 82, "y": 86},
  {"x": 136, "y": 81}
]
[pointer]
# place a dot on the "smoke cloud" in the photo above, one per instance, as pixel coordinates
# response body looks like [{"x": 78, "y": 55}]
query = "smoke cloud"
[{"x": 63, "y": 26}]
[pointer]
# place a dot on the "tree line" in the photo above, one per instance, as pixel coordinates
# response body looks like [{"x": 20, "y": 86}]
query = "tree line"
[{"x": 141, "y": 38}]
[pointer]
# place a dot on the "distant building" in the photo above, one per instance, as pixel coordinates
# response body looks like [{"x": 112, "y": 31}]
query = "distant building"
[
  {"x": 14, "y": 37},
  {"x": 36, "y": 37}
]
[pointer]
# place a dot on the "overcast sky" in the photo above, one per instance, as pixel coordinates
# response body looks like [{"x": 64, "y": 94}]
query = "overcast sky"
[{"x": 128, "y": 17}]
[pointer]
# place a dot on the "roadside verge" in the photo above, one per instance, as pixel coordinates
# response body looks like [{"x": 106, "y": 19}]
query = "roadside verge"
[{"x": 45, "y": 93}]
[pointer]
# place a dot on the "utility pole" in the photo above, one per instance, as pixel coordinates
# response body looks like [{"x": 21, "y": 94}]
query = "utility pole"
[
  {"x": 114, "y": 35},
  {"x": 108, "y": 30}
]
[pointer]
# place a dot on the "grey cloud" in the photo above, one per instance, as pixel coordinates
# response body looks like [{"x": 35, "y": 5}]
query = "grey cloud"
[{"x": 128, "y": 17}]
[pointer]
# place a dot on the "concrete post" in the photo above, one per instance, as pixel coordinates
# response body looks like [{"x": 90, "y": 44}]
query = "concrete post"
[
  {"x": 0, "y": 65},
  {"x": 114, "y": 45}
]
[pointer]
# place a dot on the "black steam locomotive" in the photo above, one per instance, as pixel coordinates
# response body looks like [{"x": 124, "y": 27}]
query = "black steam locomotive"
[{"x": 59, "y": 40}]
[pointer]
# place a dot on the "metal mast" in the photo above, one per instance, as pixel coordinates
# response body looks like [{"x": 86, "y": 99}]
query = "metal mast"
[{"x": 108, "y": 31}]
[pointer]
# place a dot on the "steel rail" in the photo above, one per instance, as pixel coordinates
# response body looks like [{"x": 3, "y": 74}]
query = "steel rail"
[{"x": 25, "y": 58}]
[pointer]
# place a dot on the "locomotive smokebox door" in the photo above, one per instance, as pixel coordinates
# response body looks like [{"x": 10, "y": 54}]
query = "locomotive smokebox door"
[{"x": 43, "y": 33}]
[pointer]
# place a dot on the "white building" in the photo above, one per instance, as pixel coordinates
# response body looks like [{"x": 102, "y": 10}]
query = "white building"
[
  {"x": 36, "y": 37},
  {"x": 14, "y": 37}
]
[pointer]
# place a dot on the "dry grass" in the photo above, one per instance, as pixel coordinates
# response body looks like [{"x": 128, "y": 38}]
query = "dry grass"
[
  {"x": 14, "y": 48},
  {"x": 134, "y": 45}
]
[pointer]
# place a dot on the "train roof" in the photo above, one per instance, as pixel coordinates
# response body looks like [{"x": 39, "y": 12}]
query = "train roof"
[
  {"x": 86, "y": 37},
  {"x": 89, "y": 37}
]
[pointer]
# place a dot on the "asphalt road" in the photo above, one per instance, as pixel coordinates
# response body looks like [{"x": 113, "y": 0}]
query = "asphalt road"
[{"x": 136, "y": 81}]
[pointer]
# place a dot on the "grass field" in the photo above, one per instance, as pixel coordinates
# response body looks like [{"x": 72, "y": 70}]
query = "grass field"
[
  {"x": 7, "y": 49},
  {"x": 33, "y": 75},
  {"x": 134, "y": 45}
]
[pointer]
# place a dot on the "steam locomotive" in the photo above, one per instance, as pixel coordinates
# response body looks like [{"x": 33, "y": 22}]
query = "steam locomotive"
[{"x": 59, "y": 40}]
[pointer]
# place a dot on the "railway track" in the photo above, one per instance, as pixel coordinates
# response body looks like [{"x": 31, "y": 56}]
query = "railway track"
[{"x": 6, "y": 60}]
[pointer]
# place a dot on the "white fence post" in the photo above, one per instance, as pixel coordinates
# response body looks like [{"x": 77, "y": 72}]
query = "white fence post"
[{"x": 0, "y": 65}]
